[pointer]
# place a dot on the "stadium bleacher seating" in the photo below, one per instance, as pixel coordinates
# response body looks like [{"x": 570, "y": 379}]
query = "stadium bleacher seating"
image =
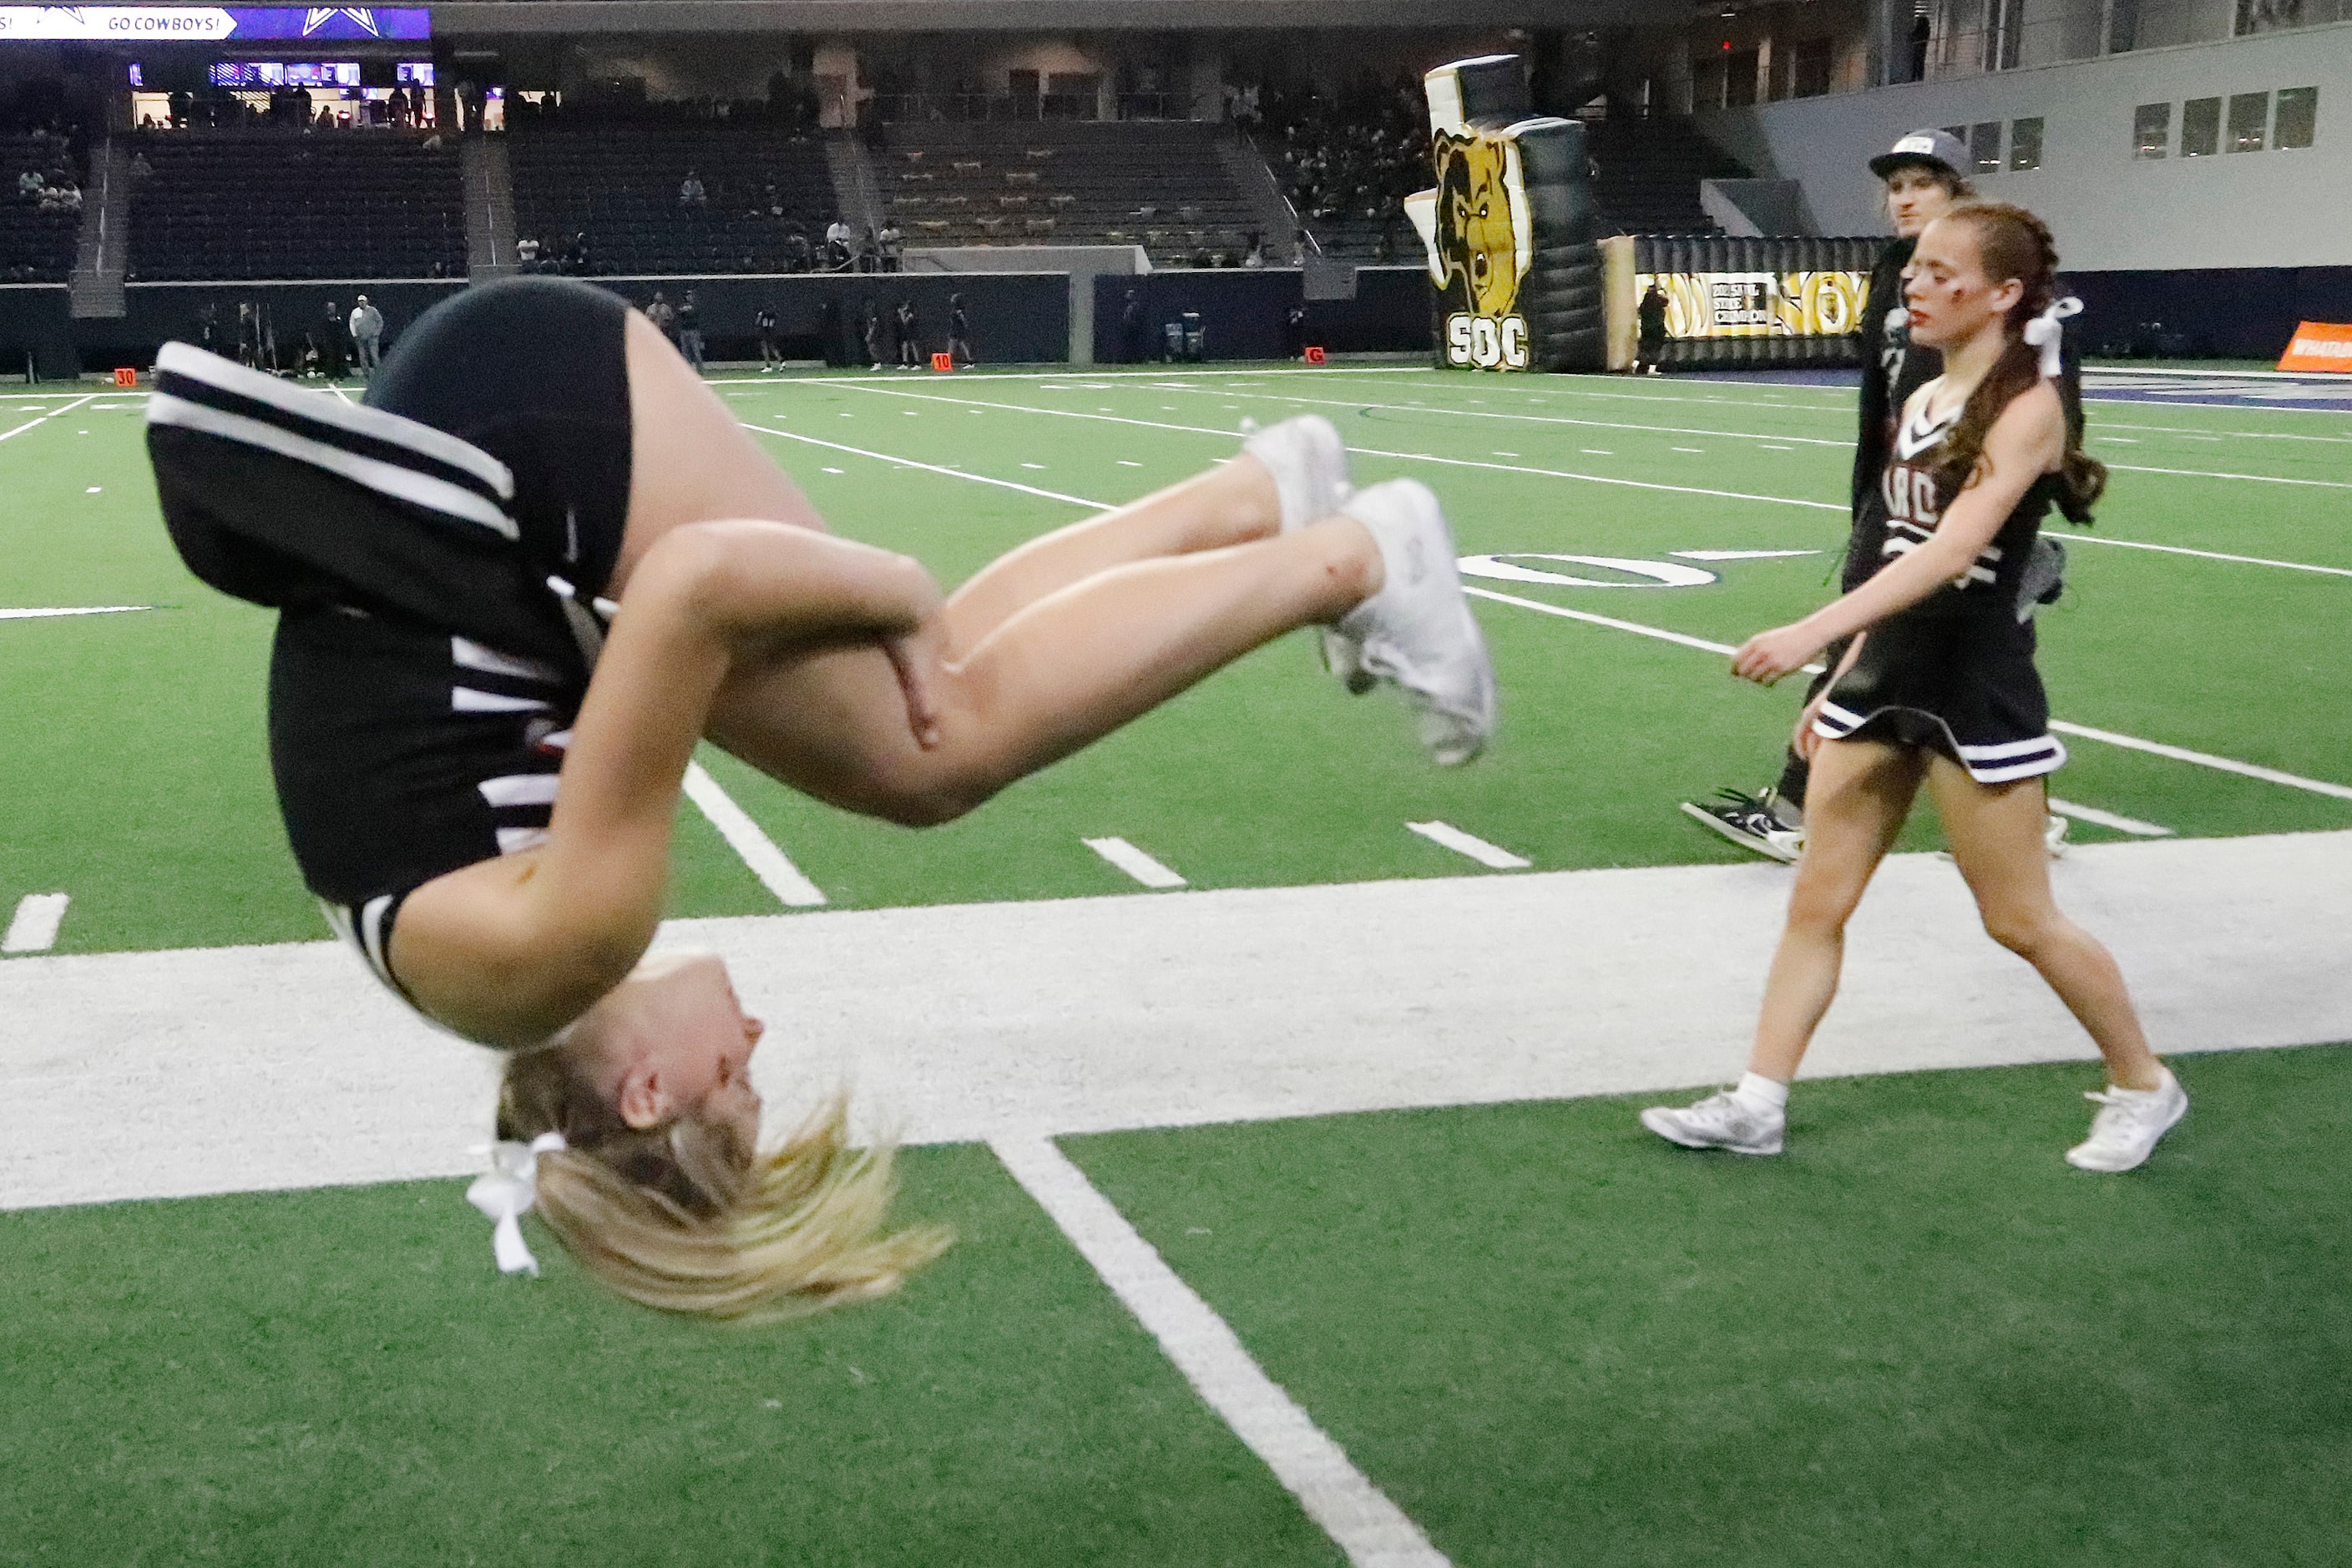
[
  {"x": 618, "y": 184},
  {"x": 1647, "y": 175},
  {"x": 35, "y": 246},
  {"x": 1156, "y": 184},
  {"x": 282, "y": 204}
]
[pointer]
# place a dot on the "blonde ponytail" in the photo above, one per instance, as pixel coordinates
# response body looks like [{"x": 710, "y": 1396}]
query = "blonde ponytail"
[{"x": 684, "y": 1218}]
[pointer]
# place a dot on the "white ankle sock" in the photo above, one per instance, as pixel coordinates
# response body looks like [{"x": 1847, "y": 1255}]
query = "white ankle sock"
[{"x": 1763, "y": 1093}]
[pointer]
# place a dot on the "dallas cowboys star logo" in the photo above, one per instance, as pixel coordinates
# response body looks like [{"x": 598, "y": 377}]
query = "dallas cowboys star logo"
[{"x": 318, "y": 16}]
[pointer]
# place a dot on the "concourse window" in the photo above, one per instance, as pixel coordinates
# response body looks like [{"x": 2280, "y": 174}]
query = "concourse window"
[
  {"x": 2201, "y": 128},
  {"x": 2151, "y": 131},
  {"x": 2298, "y": 117},
  {"x": 2250, "y": 114},
  {"x": 2025, "y": 143},
  {"x": 1984, "y": 147}
]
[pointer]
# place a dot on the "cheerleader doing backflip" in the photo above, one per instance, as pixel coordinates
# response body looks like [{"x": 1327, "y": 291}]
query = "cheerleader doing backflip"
[
  {"x": 541, "y": 564},
  {"x": 1939, "y": 686}
]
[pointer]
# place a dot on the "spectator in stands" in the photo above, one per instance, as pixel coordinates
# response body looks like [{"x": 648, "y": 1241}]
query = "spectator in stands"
[
  {"x": 30, "y": 185},
  {"x": 1256, "y": 256},
  {"x": 764, "y": 323},
  {"x": 689, "y": 331},
  {"x": 836, "y": 233},
  {"x": 333, "y": 335},
  {"x": 910, "y": 345},
  {"x": 367, "y": 334},
  {"x": 690, "y": 193},
  {"x": 870, "y": 251},
  {"x": 873, "y": 335},
  {"x": 1650, "y": 348},
  {"x": 892, "y": 242},
  {"x": 1298, "y": 248},
  {"x": 959, "y": 333},
  {"x": 664, "y": 316},
  {"x": 141, "y": 171},
  {"x": 799, "y": 255},
  {"x": 527, "y": 254}
]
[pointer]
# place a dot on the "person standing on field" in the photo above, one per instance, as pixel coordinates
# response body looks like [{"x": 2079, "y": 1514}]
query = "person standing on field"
[
  {"x": 959, "y": 333},
  {"x": 910, "y": 337},
  {"x": 367, "y": 334},
  {"x": 765, "y": 322},
  {"x": 689, "y": 331},
  {"x": 332, "y": 341},
  {"x": 1651, "y": 348}
]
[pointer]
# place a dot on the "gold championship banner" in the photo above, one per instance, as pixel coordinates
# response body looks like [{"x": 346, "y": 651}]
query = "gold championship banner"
[
  {"x": 1759, "y": 304},
  {"x": 1735, "y": 300}
]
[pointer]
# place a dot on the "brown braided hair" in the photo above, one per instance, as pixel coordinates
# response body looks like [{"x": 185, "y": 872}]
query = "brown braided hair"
[{"x": 2013, "y": 243}]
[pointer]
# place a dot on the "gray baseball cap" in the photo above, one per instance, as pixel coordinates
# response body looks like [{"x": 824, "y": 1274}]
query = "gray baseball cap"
[{"x": 1938, "y": 149}]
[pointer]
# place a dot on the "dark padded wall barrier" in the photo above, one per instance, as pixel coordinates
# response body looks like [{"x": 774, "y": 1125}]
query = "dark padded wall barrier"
[
  {"x": 36, "y": 319},
  {"x": 2236, "y": 313},
  {"x": 1015, "y": 316},
  {"x": 1245, "y": 312}
]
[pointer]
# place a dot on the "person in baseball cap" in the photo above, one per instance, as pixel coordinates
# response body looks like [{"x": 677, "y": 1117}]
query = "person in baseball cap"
[
  {"x": 1925, "y": 174},
  {"x": 1936, "y": 148}
]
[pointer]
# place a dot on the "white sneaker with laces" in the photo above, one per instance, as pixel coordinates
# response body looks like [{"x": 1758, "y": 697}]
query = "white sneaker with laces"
[
  {"x": 1309, "y": 465},
  {"x": 1417, "y": 632},
  {"x": 1721, "y": 1121},
  {"x": 2130, "y": 1120}
]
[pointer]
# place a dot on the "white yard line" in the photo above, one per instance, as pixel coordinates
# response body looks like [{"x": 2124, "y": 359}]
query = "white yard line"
[
  {"x": 144, "y": 1075},
  {"x": 1478, "y": 849},
  {"x": 1145, "y": 869},
  {"x": 2129, "y": 743},
  {"x": 768, "y": 863},
  {"x": 1533, "y": 418},
  {"x": 35, "y": 927},
  {"x": 2131, "y": 824},
  {"x": 36, "y": 614},
  {"x": 1372, "y": 1531},
  {"x": 40, "y": 418},
  {"x": 2252, "y": 478},
  {"x": 929, "y": 467},
  {"x": 2072, "y": 539}
]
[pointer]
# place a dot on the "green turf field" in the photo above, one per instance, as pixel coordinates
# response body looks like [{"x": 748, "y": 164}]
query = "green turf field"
[{"x": 1919, "y": 1338}]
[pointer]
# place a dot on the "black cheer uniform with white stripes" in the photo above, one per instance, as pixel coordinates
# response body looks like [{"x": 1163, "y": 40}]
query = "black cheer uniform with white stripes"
[
  {"x": 1955, "y": 671},
  {"x": 436, "y": 579}
]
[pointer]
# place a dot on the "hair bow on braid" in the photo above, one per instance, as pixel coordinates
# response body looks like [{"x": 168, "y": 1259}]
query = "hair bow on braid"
[
  {"x": 507, "y": 1192},
  {"x": 2042, "y": 334}
]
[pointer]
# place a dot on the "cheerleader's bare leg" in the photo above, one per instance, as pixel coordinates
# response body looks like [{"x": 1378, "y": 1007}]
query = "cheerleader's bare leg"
[
  {"x": 1855, "y": 805},
  {"x": 1996, "y": 835},
  {"x": 1054, "y": 645}
]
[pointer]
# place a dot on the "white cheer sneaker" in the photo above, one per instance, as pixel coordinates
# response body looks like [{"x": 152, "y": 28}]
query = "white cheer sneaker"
[
  {"x": 1720, "y": 1121},
  {"x": 1417, "y": 633},
  {"x": 2130, "y": 1122},
  {"x": 1309, "y": 465}
]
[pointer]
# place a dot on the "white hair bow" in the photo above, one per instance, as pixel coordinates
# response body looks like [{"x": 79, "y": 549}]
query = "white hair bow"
[
  {"x": 2042, "y": 332},
  {"x": 507, "y": 1192}
]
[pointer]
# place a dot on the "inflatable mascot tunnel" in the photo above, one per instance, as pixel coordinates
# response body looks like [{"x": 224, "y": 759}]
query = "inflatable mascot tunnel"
[{"x": 1510, "y": 227}]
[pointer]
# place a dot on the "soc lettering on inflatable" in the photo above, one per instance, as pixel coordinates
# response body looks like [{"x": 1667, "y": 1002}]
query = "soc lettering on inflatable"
[{"x": 1486, "y": 342}]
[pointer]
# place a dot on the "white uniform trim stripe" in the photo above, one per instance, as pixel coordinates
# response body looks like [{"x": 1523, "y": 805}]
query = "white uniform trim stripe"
[
  {"x": 466, "y": 699},
  {"x": 515, "y": 840},
  {"x": 371, "y": 925},
  {"x": 184, "y": 359},
  {"x": 2049, "y": 763},
  {"x": 2006, "y": 748},
  {"x": 388, "y": 478},
  {"x": 468, "y": 655},
  {"x": 521, "y": 789}
]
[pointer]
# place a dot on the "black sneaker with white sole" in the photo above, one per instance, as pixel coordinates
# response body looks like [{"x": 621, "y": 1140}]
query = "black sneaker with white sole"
[{"x": 1750, "y": 822}]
